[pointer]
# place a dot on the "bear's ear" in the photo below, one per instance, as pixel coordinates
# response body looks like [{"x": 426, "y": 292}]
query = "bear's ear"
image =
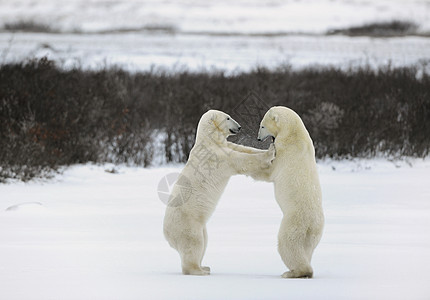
[
  {"x": 275, "y": 118},
  {"x": 213, "y": 116}
]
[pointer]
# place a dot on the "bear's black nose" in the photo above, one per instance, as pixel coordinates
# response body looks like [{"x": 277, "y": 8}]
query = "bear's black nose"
[
  {"x": 259, "y": 139},
  {"x": 239, "y": 128}
]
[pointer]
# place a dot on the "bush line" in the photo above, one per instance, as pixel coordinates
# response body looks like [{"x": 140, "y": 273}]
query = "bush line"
[{"x": 50, "y": 117}]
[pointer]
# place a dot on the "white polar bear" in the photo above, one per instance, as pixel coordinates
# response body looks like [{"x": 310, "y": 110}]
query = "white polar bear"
[
  {"x": 297, "y": 189},
  {"x": 212, "y": 161}
]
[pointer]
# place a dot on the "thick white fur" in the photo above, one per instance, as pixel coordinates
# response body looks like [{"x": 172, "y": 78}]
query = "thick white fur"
[
  {"x": 297, "y": 189},
  {"x": 205, "y": 180}
]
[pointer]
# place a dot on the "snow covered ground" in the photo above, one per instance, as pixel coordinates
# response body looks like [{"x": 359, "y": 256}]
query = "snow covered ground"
[
  {"x": 137, "y": 52},
  {"x": 199, "y": 35},
  {"x": 90, "y": 234},
  {"x": 213, "y": 16}
]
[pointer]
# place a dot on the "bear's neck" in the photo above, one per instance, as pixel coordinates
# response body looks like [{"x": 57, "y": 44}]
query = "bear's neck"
[
  {"x": 215, "y": 138},
  {"x": 298, "y": 140}
]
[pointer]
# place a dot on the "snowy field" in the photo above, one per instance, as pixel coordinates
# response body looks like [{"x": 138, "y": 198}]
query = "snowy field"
[
  {"x": 140, "y": 52},
  {"x": 200, "y": 35},
  {"x": 90, "y": 234},
  {"x": 213, "y": 16}
]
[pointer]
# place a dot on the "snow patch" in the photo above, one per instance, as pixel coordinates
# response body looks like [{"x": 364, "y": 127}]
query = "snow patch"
[{"x": 27, "y": 207}]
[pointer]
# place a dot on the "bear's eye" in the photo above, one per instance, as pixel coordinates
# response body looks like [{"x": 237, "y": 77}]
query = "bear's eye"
[
  {"x": 262, "y": 126},
  {"x": 228, "y": 119}
]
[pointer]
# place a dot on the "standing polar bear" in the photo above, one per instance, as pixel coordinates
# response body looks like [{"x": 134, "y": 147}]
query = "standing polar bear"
[
  {"x": 212, "y": 161},
  {"x": 297, "y": 189}
]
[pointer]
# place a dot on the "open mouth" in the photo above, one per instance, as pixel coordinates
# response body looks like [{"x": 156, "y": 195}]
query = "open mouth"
[
  {"x": 271, "y": 136},
  {"x": 233, "y": 131}
]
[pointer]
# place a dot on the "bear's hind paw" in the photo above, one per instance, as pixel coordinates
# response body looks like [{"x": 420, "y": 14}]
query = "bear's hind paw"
[
  {"x": 201, "y": 272},
  {"x": 205, "y": 268},
  {"x": 294, "y": 274}
]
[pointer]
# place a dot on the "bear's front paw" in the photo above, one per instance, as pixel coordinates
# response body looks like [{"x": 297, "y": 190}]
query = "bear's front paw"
[
  {"x": 271, "y": 152},
  {"x": 269, "y": 156}
]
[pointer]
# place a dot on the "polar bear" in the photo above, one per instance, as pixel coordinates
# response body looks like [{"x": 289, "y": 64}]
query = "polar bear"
[
  {"x": 297, "y": 189},
  {"x": 212, "y": 161}
]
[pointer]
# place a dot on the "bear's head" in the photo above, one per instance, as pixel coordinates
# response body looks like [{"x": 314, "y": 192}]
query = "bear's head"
[
  {"x": 217, "y": 125},
  {"x": 280, "y": 120}
]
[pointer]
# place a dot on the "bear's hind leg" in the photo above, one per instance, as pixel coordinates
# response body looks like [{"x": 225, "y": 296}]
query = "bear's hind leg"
[
  {"x": 291, "y": 247},
  {"x": 192, "y": 255},
  {"x": 296, "y": 260},
  {"x": 205, "y": 239}
]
